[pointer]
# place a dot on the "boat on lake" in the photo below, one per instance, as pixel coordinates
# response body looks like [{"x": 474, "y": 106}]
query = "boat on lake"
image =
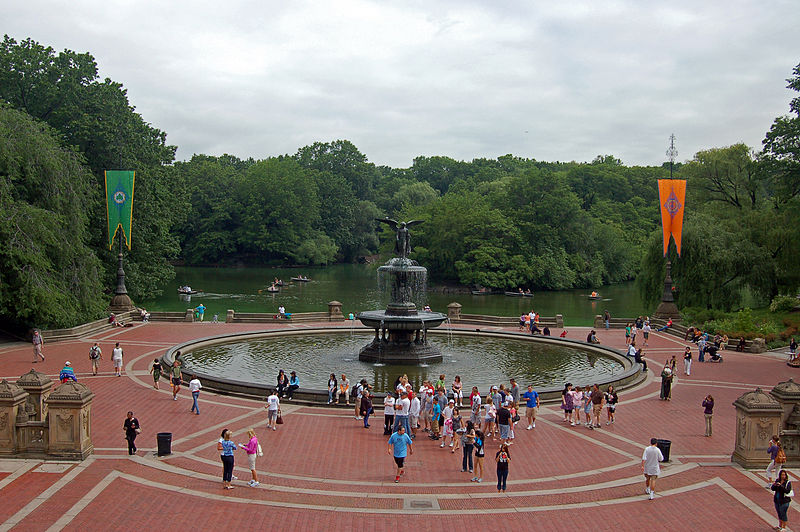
[
  {"x": 301, "y": 279},
  {"x": 519, "y": 294},
  {"x": 186, "y": 291},
  {"x": 594, "y": 296}
]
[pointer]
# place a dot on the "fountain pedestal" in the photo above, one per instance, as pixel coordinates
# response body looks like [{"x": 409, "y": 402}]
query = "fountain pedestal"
[{"x": 401, "y": 332}]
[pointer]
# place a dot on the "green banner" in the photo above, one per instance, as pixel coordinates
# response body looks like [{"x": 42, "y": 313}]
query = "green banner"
[{"x": 119, "y": 204}]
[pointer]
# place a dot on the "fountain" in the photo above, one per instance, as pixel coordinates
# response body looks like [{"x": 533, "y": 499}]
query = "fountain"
[{"x": 400, "y": 330}]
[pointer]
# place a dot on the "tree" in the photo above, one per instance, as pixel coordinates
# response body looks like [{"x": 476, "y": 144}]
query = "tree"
[
  {"x": 782, "y": 148},
  {"x": 95, "y": 116},
  {"x": 49, "y": 277},
  {"x": 341, "y": 158},
  {"x": 724, "y": 175}
]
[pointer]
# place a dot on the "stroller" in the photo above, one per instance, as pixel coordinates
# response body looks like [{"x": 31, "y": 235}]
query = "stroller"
[{"x": 712, "y": 352}]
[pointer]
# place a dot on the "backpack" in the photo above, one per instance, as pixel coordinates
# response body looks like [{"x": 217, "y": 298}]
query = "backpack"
[{"x": 781, "y": 457}]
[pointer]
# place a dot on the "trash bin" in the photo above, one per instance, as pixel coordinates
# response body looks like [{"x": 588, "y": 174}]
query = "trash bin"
[
  {"x": 164, "y": 443},
  {"x": 664, "y": 446}
]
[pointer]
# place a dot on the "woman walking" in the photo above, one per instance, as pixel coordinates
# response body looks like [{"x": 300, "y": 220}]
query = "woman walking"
[
  {"x": 251, "y": 448},
  {"x": 611, "y": 404},
  {"x": 366, "y": 407},
  {"x": 783, "y": 496},
  {"x": 776, "y": 460},
  {"x": 503, "y": 457},
  {"x": 131, "y": 428},
  {"x": 227, "y": 447},
  {"x": 708, "y": 411},
  {"x": 480, "y": 452},
  {"x": 156, "y": 371}
]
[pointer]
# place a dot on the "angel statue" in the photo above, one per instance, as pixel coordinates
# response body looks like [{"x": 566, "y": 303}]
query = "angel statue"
[{"x": 402, "y": 244}]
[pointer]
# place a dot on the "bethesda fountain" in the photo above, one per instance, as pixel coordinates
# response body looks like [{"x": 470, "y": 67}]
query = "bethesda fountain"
[{"x": 401, "y": 330}]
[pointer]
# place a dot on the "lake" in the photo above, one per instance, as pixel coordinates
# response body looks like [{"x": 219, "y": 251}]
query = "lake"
[{"x": 356, "y": 287}]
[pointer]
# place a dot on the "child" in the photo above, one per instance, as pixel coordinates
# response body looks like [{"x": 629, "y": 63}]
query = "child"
[
  {"x": 458, "y": 429},
  {"x": 577, "y": 399},
  {"x": 491, "y": 416},
  {"x": 437, "y": 412}
]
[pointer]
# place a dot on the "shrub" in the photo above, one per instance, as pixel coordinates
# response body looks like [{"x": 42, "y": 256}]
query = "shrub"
[{"x": 783, "y": 304}]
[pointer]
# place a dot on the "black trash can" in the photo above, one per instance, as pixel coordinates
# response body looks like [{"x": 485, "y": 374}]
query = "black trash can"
[
  {"x": 164, "y": 443},
  {"x": 664, "y": 446}
]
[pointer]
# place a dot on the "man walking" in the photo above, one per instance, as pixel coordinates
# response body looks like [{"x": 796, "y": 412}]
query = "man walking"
[
  {"x": 175, "y": 377},
  {"x": 531, "y": 406},
  {"x": 651, "y": 468},
  {"x": 194, "y": 387},
  {"x": 132, "y": 429},
  {"x": 38, "y": 343},
  {"x": 399, "y": 447},
  {"x": 95, "y": 355},
  {"x": 116, "y": 358}
]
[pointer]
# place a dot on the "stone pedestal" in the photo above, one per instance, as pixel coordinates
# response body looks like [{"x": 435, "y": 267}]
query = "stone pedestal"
[
  {"x": 787, "y": 394},
  {"x": 70, "y": 421},
  {"x": 758, "y": 418},
  {"x": 454, "y": 311},
  {"x": 38, "y": 385},
  {"x": 335, "y": 311},
  {"x": 189, "y": 315},
  {"x": 229, "y": 315},
  {"x": 12, "y": 404}
]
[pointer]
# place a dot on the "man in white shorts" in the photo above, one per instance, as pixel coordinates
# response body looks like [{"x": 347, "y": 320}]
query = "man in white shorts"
[
  {"x": 116, "y": 358},
  {"x": 650, "y": 467}
]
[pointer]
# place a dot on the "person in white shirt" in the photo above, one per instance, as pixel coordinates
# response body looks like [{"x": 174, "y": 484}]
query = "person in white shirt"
[
  {"x": 194, "y": 387},
  {"x": 116, "y": 357},
  {"x": 273, "y": 407},
  {"x": 413, "y": 415},
  {"x": 650, "y": 467},
  {"x": 402, "y": 407},
  {"x": 388, "y": 414}
]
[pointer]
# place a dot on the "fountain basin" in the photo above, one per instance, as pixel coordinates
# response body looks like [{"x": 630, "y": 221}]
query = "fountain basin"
[{"x": 246, "y": 363}]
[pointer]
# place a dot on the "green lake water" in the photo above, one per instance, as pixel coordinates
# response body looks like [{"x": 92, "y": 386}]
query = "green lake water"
[{"x": 356, "y": 287}]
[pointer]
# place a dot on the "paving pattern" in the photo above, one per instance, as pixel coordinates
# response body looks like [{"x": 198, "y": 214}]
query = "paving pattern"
[{"x": 322, "y": 470}]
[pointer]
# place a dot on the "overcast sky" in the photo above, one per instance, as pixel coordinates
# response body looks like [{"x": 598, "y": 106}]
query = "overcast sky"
[{"x": 545, "y": 80}]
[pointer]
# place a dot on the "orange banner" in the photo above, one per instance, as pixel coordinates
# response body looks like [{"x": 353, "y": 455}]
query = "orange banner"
[{"x": 672, "y": 193}]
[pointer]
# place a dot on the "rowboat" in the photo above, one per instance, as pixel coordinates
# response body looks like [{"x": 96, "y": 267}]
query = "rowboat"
[
  {"x": 301, "y": 279},
  {"x": 519, "y": 294}
]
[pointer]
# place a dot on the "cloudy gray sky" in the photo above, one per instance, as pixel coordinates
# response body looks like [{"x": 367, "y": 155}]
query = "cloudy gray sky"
[{"x": 466, "y": 79}]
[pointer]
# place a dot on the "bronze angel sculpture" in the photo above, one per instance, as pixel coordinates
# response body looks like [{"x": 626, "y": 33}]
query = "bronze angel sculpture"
[{"x": 402, "y": 244}]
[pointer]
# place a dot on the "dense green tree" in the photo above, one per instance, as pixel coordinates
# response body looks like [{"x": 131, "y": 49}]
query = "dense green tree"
[
  {"x": 63, "y": 89},
  {"x": 48, "y": 274},
  {"x": 341, "y": 158},
  {"x": 782, "y": 149}
]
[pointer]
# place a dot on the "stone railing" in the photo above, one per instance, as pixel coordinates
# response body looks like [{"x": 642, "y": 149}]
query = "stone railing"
[
  {"x": 556, "y": 321},
  {"x": 79, "y": 331}
]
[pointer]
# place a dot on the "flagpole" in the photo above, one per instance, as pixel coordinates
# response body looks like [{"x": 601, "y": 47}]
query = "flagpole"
[
  {"x": 121, "y": 302},
  {"x": 667, "y": 308}
]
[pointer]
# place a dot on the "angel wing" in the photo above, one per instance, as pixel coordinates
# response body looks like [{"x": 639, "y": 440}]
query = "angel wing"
[
  {"x": 391, "y": 223},
  {"x": 414, "y": 222}
]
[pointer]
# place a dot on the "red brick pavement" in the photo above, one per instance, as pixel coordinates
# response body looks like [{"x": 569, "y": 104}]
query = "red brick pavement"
[{"x": 321, "y": 470}]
